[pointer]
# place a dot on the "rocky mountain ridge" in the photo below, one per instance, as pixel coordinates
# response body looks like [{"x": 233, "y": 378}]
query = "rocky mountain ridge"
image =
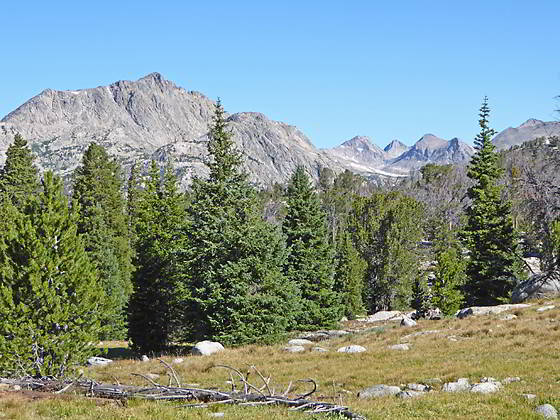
[{"x": 152, "y": 118}]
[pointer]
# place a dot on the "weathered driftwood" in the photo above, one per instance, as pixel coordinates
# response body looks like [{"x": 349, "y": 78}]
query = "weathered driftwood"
[{"x": 195, "y": 397}]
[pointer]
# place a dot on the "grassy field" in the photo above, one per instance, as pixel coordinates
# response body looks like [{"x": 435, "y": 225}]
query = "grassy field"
[{"x": 528, "y": 347}]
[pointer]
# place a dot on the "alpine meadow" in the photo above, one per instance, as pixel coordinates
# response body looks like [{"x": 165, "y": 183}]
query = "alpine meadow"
[{"x": 364, "y": 225}]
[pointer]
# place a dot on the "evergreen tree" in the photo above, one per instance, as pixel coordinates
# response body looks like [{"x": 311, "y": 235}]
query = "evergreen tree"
[
  {"x": 232, "y": 282},
  {"x": 18, "y": 177},
  {"x": 420, "y": 295},
  {"x": 449, "y": 272},
  {"x": 387, "y": 228},
  {"x": 349, "y": 276},
  {"x": 50, "y": 299},
  {"x": 310, "y": 256},
  {"x": 157, "y": 214},
  {"x": 494, "y": 263},
  {"x": 98, "y": 188}
]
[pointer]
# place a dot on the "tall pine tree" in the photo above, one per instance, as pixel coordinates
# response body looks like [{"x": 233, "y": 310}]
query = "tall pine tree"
[
  {"x": 18, "y": 177},
  {"x": 157, "y": 215},
  {"x": 310, "y": 255},
  {"x": 232, "y": 281},
  {"x": 449, "y": 271},
  {"x": 349, "y": 275},
  {"x": 50, "y": 298},
  {"x": 489, "y": 235},
  {"x": 387, "y": 228},
  {"x": 98, "y": 188}
]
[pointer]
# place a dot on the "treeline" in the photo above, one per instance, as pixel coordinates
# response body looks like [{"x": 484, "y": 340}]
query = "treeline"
[{"x": 223, "y": 261}]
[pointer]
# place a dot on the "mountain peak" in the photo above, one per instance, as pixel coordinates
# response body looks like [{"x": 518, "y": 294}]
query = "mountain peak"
[
  {"x": 153, "y": 76},
  {"x": 429, "y": 142},
  {"x": 531, "y": 122},
  {"x": 395, "y": 149}
]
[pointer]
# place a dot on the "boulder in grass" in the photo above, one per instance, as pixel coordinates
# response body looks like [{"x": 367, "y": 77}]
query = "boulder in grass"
[
  {"x": 539, "y": 286},
  {"x": 300, "y": 342},
  {"x": 486, "y": 387},
  {"x": 99, "y": 361},
  {"x": 294, "y": 349},
  {"x": 377, "y": 391},
  {"x": 206, "y": 348},
  {"x": 352, "y": 349},
  {"x": 408, "y": 322},
  {"x": 461, "y": 385},
  {"x": 409, "y": 394},
  {"x": 547, "y": 411}
]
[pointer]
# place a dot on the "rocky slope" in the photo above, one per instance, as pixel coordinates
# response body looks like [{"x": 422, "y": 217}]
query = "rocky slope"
[
  {"x": 154, "y": 118},
  {"x": 529, "y": 130},
  {"x": 432, "y": 149}
]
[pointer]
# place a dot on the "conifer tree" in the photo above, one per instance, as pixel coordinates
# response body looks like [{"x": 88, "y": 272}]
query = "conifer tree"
[
  {"x": 50, "y": 299},
  {"x": 232, "y": 281},
  {"x": 157, "y": 216},
  {"x": 489, "y": 235},
  {"x": 387, "y": 228},
  {"x": 98, "y": 188},
  {"x": 18, "y": 177},
  {"x": 449, "y": 272},
  {"x": 310, "y": 255},
  {"x": 420, "y": 295},
  {"x": 349, "y": 276}
]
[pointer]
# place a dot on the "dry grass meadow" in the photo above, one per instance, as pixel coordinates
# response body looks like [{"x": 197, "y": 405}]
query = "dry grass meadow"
[{"x": 475, "y": 347}]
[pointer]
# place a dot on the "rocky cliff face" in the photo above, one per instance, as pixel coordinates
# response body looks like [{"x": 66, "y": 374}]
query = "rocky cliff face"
[
  {"x": 432, "y": 149},
  {"x": 529, "y": 130},
  {"x": 395, "y": 149},
  {"x": 152, "y": 118}
]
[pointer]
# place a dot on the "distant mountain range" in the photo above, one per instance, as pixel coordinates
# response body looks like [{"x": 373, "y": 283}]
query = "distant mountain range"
[{"x": 152, "y": 118}]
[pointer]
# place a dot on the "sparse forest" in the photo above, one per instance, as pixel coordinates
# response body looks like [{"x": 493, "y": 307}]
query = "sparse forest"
[{"x": 139, "y": 259}]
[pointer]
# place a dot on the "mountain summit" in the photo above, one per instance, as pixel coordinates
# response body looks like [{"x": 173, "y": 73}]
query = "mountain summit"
[{"x": 152, "y": 118}]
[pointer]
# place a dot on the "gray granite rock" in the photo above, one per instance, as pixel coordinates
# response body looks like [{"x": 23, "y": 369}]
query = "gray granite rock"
[
  {"x": 206, "y": 348},
  {"x": 294, "y": 349},
  {"x": 486, "y": 387},
  {"x": 547, "y": 411},
  {"x": 545, "y": 308},
  {"x": 408, "y": 322},
  {"x": 462, "y": 384},
  {"x": 488, "y": 310},
  {"x": 400, "y": 347},
  {"x": 379, "y": 391},
  {"x": 300, "y": 342},
  {"x": 99, "y": 361},
  {"x": 409, "y": 394},
  {"x": 351, "y": 349},
  {"x": 383, "y": 316},
  {"x": 539, "y": 286},
  {"x": 418, "y": 387}
]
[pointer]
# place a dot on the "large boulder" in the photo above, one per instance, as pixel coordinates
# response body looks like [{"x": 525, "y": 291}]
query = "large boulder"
[
  {"x": 206, "y": 348},
  {"x": 547, "y": 411},
  {"x": 488, "y": 310},
  {"x": 300, "y": 342},
  {"x": 98, "y": 361},
  {"x": 383, "y": 316},
  {"x": 538, "y": 286},
  {"x": 462, "y": 384}
]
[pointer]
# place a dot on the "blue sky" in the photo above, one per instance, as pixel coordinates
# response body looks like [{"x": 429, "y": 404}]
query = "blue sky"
[{"x": 335, "y": 69}]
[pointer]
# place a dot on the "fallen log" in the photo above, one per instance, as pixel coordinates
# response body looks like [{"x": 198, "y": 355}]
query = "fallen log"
[{"x": 197, "y": 397}]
